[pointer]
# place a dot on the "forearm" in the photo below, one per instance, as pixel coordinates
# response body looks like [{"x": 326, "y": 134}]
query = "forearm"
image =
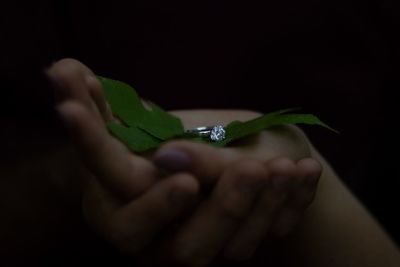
[{"x": 338, "y": 231}]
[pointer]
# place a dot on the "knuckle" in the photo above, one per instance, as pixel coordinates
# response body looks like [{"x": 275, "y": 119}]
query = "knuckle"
[
  {"x": 247, "y": 168},
  {"x": 231, "y": 209},
  {"x": 67, "y": 68},
  {"x": 247, "y": 174}
]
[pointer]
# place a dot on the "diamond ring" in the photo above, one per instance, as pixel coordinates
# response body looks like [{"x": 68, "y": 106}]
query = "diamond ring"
[{"x": 214, "y": 133}]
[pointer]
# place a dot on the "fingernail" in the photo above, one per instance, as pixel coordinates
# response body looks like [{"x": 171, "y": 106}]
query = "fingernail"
[{"x": 172, "y": 160}]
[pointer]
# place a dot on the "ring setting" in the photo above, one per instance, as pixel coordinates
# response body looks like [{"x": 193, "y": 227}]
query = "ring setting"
[{"x": 214, "y": 133}]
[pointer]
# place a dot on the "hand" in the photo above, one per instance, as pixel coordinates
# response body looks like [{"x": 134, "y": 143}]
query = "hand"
[
  {"x": 252, "y": 199},
  {"x": 129, "y": 202},
  {"x": 125, "y": 197}
]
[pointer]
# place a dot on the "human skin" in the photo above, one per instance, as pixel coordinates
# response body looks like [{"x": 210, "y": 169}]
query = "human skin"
[
  {"x": 257, "y": 188},
  {"x": 335, "y": 230},
  {"x": 335, "y": 219},
  {"x": 332, "y": 232}
]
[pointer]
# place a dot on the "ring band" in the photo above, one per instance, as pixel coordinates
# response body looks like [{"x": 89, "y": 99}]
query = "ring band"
[{"x": 214, "y": 133}]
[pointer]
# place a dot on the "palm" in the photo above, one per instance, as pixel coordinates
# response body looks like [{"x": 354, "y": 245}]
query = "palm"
[{"x": 130, "y": 201}]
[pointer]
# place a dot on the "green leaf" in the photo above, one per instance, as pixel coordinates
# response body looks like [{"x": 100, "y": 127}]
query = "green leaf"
[
  {"x": 135, "y": 139},
  {"x": 123, "y": 100},
  {"x": 126, "y": 104},
  {"x": 237, "y": 130},
  {"x": 160, "y": 123},
  {"x": 147, "y": 128}
]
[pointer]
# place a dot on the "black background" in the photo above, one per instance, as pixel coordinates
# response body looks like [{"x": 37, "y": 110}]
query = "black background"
[{"x": 336, "y": 59}]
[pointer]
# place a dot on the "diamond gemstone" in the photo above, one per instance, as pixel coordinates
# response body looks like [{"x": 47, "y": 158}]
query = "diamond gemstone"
[{"x": 217, "y": 133}]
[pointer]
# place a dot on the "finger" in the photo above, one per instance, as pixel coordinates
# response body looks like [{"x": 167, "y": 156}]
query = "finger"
[
  {"x": 202, "y": 160},
  {"x": 207, "y": 231},
  {"x": 76, "y": 81},
  {"x": 69, "y": 76},
  {"x": 138, "y": 223},
  {"x": 111, "y": 162},
  {"x": 300, "y": 196},
  {"x": 255, "y": 229},
  {"x": 309, "y": 172},
  {"x": 311, "y": 169},
  {"x": 97, "y": 94}
]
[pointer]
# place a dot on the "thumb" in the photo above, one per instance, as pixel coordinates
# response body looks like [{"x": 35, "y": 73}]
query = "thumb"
[{"x": 205, "y": 162}]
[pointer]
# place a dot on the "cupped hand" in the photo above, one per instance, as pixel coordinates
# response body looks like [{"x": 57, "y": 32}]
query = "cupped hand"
[
  {"x": 251, "y": 199},
  {"x": 125, "y": 198},
  {"x": 155, "y": 208}
]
